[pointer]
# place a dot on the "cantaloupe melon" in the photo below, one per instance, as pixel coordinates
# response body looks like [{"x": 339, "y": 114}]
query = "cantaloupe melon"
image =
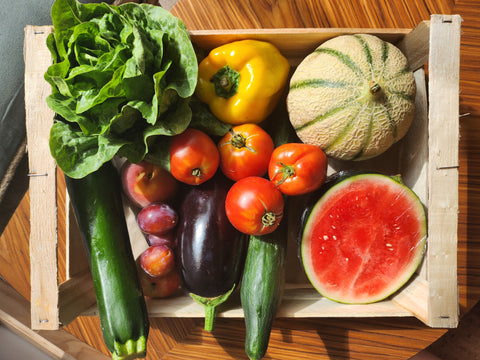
[{"x": 354, "y": 96}]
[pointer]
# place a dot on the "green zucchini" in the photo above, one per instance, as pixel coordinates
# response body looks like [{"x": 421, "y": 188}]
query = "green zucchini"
[
  {"x": 97, "y": 203},
  {"x": 262, "y": 288}
]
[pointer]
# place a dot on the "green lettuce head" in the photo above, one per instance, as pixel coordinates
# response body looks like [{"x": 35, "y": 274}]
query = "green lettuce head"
[{"x": 121, "y": 76}]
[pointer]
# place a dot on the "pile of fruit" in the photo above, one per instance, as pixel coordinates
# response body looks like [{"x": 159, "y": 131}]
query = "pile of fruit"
[{"x": 211, "y": 170}]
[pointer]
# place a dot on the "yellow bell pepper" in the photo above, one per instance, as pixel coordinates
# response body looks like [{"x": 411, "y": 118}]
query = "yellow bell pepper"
[{"x": 242, "y": 81}]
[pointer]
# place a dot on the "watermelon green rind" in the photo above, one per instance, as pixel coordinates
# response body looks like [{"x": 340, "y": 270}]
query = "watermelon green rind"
[{"x": 414, "y": 252}]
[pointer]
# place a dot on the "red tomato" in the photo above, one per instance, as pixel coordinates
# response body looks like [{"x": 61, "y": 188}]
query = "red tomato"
[
  {"x": 297, "y": 168},
  {"x": 254, "y": 206},
  {"x": 194, "y": 157},
  {"x": 245, "y": 151}
]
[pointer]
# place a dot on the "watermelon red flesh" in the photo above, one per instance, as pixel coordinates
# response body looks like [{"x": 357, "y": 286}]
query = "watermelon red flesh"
[{"x": 364, "y": 239}]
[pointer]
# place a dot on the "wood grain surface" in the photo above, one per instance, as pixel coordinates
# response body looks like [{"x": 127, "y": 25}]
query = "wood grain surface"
[{"x": 381, "y": 338}]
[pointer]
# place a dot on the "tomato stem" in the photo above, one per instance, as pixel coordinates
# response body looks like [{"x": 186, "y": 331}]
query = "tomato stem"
[
  {"x": 286, "y": 171},
  {"x": 197, "y": 172},
  {"x": 269, "y": 219},
  {"x": 238, "y": 140}
]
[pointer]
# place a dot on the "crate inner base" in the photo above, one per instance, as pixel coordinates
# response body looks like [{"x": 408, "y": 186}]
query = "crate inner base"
[{"x": 408, "y": 157}]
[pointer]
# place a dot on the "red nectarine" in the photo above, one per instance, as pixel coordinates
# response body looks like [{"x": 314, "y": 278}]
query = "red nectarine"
[{"x": 145, "y": 183}]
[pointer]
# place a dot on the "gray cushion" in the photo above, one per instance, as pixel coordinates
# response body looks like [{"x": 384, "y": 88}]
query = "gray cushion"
[{"x": 15, "y": 15}]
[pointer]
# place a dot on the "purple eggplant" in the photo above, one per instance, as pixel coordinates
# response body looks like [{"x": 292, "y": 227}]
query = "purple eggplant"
[{"x": 211, "y": 252}]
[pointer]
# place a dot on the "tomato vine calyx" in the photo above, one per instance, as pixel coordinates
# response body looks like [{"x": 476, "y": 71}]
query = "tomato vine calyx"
[
  {"x": 197, "y": 172},
  {"x": 239, "y": 141},
  {"x": 269, "y": 219},
  {"x": 286, "y": 171}
]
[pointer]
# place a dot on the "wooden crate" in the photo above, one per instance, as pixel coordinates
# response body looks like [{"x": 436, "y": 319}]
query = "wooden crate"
[{"x": 427, "y": 159}]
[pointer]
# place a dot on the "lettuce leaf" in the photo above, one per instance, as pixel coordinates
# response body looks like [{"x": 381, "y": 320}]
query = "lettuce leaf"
[{"x": 121, "y": 77}]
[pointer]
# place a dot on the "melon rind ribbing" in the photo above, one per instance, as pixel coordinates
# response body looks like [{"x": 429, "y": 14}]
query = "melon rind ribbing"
[{"x": 354, "y": 96}]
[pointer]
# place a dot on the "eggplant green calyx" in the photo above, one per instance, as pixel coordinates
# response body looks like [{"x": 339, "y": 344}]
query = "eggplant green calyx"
[{"x": 210, "y": 305}]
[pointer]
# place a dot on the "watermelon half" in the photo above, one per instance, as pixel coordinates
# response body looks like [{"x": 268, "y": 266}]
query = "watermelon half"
[{"x": 363, "y": 239}]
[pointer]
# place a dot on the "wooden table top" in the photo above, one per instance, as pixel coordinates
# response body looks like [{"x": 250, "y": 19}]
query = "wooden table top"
[{"x": 370, "y": 338}]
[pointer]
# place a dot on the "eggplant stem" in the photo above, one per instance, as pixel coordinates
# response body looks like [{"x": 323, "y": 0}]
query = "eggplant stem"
[
  {"x": 210, "y": 313},
  {"x": 210, "y": 306}
]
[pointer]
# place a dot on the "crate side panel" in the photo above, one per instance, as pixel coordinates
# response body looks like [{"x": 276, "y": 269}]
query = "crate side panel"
[
  {"x": 299, "y": 302},
  {"x": 76, "y": 295},
  {"x": 77, "y": 261},
  {"x": 444, "y": 63},
  {"x": 415, "y": 45},
  {"x": 294, "y": 44},
  {"x": 413, "y": 165},
  {"x": 414, "y": 162},
  {"x": 414, "y": 298},
  {"x": 42, "y": 187}
]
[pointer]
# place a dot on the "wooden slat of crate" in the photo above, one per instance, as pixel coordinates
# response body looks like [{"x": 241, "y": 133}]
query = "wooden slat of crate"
[
  {"x": 53, "y": 304},
  {"x": 444, "y": 65},
  {"x": 43, "y": 215},
  {"x": 295, "y": 44}
]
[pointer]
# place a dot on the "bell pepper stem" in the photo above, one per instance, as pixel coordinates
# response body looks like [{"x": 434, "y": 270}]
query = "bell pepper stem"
[{"x": 225, "y": 82}]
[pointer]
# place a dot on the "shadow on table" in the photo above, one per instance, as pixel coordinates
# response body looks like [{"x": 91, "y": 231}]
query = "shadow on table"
[
  {"x": 14, "y": 192},
  {"x": 460, "y": 343},
  {"x": 345, "y": 338}
]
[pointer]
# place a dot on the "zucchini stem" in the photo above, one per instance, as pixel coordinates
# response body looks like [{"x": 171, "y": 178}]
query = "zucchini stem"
[{"x": 132, "y": 349}]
